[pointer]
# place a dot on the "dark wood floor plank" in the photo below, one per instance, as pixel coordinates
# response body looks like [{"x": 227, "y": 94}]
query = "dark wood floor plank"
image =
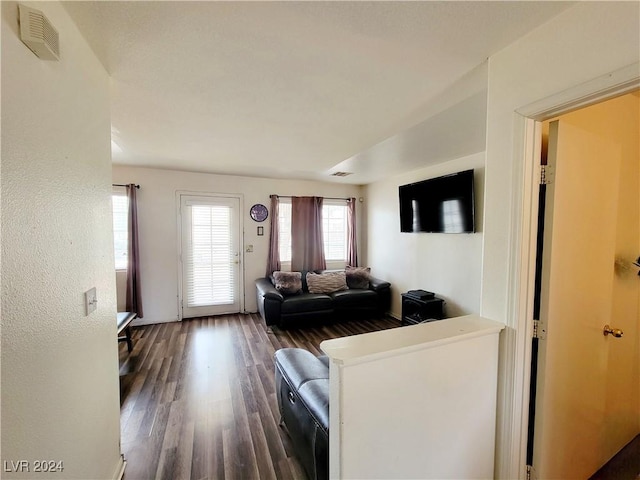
[
  {"x": 152, "y": 403},
  {"x": 169, "y": 392},
  {"x": 243, "y": 351},
  {"x": 264, "y": 461},
  {"x": 154, "y": 441},
  {"x": 218, "y": 423},
  {"x": 268, "y": 415},
  {"x": 283, "y": 470},
  {"x": 184, "y": 452},
  {"x": 199, "y": 401},
  {"x": 130, "y": 395},
  {"x": 147, "y": 346},
  {"x": 625, "y": 465},
  {"x": 167, "y": 464},
  {"x": 199, "y": 453},
  {"x": 243, "y": 454},
  {"x": 169, "y": 458},
  {"x": 266, "y": 373}
]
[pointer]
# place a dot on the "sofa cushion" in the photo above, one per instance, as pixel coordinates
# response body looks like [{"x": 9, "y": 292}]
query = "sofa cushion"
[
  {"x": 326, "y": 282},
  {"x": 299, "y": 366},
  {"x": 315, "y": 394},
  {"x": 308, "y": 377},
  {"x": 306, "y": 302},
  {"x": 354, "y": 298},
  {"x": 288, "y": 283},
  {"x": 357, "y": 277},
  {"x": 302, "y": 390}
]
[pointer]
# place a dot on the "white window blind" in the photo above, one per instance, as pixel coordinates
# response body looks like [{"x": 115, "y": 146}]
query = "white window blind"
[
  {"x": 284, "y": 225},
  {"x": 210, "y": 276},
  {"x": 120, "y": 204},
  {"x": 334, "y": 230}
]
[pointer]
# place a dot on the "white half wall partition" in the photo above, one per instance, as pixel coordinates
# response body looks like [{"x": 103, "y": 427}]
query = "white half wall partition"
[{"x": 415, "y": 402}]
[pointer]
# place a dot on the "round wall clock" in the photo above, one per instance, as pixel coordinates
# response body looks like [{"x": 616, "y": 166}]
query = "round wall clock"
[{"x": 259, "y": 212}]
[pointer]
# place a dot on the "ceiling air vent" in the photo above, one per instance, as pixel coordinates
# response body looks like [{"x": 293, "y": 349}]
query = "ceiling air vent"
[
  {"x": 341, "y": 174},
  {"x": 37, "y": 33}
]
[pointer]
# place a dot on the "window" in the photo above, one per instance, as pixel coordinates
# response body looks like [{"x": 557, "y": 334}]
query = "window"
[
  {"x": 120, "y": 205},
  {"x": 284, "y": 225},
  {"x": 210, "y": 259},
  {"x": 334, "y": 230},
  {"x": 210, "y": 262}
]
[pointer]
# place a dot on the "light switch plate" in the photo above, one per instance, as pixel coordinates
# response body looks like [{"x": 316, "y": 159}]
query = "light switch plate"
[{"x": 90, "y": 301}]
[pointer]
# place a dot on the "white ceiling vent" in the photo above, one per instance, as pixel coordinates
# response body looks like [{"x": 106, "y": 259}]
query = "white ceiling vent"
[
  {"x": 341, "y": 174},
  {"x": 38, "y": 34}
]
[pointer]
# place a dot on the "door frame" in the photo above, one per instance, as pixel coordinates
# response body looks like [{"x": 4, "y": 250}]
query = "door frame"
[
  {"x": 514, "y": 402},
  {"x": 191, "y": 193}
]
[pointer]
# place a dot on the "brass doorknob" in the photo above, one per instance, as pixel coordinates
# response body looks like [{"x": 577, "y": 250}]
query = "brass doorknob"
[{"x": 616, "y": 332}]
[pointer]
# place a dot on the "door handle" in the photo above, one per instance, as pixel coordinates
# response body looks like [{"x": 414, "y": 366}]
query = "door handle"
[{"x": 616, "y": 332}]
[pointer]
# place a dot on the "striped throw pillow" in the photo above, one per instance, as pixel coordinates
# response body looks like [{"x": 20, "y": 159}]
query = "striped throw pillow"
[{"x": 326, "y": 282}]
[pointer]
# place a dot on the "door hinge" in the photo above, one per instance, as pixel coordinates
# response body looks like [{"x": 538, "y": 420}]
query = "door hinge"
[
  {"x": 529, "y": 470},
  {"x": 547, "y": 173},
  {"x": 538, "y": 330}
]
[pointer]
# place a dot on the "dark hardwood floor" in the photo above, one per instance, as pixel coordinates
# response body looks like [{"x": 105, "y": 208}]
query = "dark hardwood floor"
[
  {"x": 624, "y": 466},
  {"x": 198, "y": 397}
]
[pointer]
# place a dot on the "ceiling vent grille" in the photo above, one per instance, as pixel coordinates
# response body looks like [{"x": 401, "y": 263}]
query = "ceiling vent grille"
[
  {"x": 341, "y": 174},
  {"x": 37, "y": 33}
]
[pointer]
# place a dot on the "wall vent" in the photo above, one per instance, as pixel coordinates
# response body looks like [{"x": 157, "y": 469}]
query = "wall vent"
[
  {"x": 341, "y": 174},
  {"x": 37, "y": 33}
]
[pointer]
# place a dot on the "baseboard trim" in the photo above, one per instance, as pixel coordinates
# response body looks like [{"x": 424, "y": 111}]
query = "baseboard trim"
[{"x": 122, "y": 464}]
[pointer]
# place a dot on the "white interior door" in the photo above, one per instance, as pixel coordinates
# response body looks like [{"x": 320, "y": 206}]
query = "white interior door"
[
  {"x": 210, "y": 255},
  {"x": 587, "y": 402}
]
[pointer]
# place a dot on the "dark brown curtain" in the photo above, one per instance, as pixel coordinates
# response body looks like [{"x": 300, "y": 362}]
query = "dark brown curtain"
[
  {"x": 273, "y": 260},
  {"x": 134, "y": 291},
  {"x": 352, "y": 244},
  {"x": 307, "y": 248}
]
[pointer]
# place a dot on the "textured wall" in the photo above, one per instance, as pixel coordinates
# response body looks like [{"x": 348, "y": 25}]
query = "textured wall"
[
  {"x": 60, "y": 393},
  {"x": 447, "y": 264},
  {"x": 589, "y": 40}
]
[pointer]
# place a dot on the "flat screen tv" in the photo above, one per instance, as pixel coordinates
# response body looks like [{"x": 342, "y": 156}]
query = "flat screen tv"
[{"x": 439, "y": 205}]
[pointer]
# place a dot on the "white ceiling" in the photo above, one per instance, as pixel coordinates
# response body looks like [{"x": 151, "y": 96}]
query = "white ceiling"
[{"x": 287, "y": 89}]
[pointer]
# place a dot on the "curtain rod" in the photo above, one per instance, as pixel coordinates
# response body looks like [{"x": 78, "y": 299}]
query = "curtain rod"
[
  {"x": 122, "y": 185},
  {"x": 326, "y": 198}
]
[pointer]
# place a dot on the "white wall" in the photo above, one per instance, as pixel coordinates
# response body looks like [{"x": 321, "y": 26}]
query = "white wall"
[
  {"x": 60, "y": 392},
  {"x": 447, "y": 264},
  {"x": 442, "y": 377},
  {"x": 584, "y": 42},
  {"x": 157, "y": 223}
]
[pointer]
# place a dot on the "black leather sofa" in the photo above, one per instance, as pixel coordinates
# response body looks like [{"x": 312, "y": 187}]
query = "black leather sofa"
[
  {"x": 306, "y": 308},
  {"x": 302, "y": 389}
]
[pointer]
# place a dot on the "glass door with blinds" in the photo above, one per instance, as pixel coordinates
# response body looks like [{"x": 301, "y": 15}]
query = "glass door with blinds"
[{"x": 210, "y": 255}]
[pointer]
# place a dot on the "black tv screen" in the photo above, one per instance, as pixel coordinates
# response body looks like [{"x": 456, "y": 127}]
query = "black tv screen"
[{"x": 438, "y": 205}]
